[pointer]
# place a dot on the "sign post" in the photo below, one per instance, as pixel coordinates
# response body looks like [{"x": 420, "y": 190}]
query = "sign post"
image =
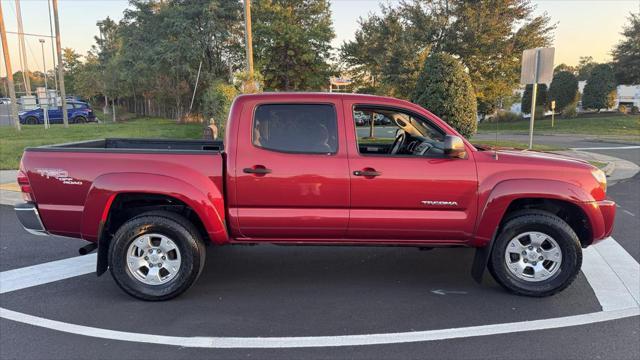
[
  {"x": 537, "y": 67},
  {"x": 553, "y": 111}
]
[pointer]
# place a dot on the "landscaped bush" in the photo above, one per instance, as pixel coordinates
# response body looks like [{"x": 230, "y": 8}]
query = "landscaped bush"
[
  {"x": 216, "y": 102},
  {"x": 445, "y": 89},
  {"x": 569, "y": 111},
  {"x": 541, "y": 98},
  {"x": 600, "y": 90},
  {"x": 563, "y": 89},
  {"x": 635, "y": 110},
  {"x": 623, "y": 109},
  {"x": 505, "y": 116}
]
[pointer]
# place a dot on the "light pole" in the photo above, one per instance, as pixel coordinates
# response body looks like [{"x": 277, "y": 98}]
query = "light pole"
[{"x": 45, "y": 109}]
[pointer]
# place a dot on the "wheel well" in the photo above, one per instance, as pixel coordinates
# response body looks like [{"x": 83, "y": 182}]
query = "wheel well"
[
  {"x": 129, "y": 205},
  {"x": 570, "y": 213}
]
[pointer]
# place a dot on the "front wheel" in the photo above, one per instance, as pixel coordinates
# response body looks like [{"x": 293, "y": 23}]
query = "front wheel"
[
  {"x": 156, "y": 256},
  {"x": 536, "y": 254}
]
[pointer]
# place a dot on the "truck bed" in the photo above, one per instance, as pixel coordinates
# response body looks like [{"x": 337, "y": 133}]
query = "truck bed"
[
  {"x": 63, "y": 177},
  {"x": 135, "y": 145}
]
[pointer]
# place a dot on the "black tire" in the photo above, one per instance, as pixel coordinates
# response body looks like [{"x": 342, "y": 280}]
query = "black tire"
[
  {"x": 547, "y": 223},
  {"x": 185, "y": 236},
  {"x": 31, "y": 120},
  {"x": 79, "y": 120}
]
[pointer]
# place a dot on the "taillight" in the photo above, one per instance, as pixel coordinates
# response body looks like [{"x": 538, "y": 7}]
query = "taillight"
[{"x": 25, "y": 187}]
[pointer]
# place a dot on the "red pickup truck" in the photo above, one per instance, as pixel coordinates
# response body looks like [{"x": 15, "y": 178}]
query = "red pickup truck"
[{"x": 297, "y": 169}]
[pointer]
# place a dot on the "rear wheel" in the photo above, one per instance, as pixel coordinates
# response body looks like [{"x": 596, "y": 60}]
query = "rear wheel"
[
  {"x": 156, "y": 256},
  {"x": 31, "y": 120},
  {"x": 536, "y": 254},
  {"x": 79, "y": 120}
]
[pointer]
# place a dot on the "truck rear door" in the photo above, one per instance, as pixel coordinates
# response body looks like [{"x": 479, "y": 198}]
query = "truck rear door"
[{"x": 291, "y": 177}]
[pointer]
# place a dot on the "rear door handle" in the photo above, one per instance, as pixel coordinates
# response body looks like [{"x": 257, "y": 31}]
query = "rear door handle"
[
  {"x": 366, "y": 173},
  {"x": 258, "y": 169}
]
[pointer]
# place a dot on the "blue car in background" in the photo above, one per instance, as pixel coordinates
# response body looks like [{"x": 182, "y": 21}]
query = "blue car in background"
[{"x": 78, "y": 112}]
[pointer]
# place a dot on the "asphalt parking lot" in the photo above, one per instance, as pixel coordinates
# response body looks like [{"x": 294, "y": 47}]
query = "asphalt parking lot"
[{"x": 321, "y": 292}]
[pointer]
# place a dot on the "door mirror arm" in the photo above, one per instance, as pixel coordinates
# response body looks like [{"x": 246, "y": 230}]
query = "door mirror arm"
[{"x": 454, "y": 147}]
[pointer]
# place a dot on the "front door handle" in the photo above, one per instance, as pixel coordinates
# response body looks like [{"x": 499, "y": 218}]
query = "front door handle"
[
  {"x": 258, "y": 169},
  {"x": 366, "y": 173}
]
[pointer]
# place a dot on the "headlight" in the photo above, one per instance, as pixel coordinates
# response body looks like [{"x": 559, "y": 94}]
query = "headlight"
[{"x": 600, "y": 177}]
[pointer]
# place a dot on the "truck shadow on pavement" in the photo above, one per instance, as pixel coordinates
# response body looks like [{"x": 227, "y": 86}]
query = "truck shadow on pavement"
[{"x": 306, "y": 291}]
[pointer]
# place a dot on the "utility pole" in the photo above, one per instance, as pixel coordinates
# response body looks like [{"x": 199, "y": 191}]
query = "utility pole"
[
  {"x": 247, "y": 37},
  {"x": 53, "y": 52},
  {"x": 45, "y": 109},
  {"x": 23, "y": 51},
  {"x": 7, "y": 65},
  {"x": 65, "y": 116}
]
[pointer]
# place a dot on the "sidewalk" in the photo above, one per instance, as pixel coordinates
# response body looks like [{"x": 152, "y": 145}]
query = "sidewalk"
[
  {"x": 616, "y": 168},
  {"x": 9, "y": 189}
]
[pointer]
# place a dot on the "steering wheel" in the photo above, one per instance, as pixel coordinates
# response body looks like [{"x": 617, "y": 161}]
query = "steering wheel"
[
  {"x": 423, "y": 148},
  {"x": 398, "y": 143}
]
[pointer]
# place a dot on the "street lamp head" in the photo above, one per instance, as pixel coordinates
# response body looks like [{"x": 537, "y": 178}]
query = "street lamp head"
[{"x": 41, "y": 41}]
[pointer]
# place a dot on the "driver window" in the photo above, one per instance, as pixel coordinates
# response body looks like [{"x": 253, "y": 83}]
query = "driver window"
[{"x": 389, "y": 132}]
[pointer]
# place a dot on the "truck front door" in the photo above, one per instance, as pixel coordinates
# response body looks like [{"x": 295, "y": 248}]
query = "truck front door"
[
  {"x": 403, "y": 186},
  {"x": 291, "y": 177}
]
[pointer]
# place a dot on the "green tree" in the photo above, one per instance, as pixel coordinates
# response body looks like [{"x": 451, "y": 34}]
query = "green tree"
[
  {"x": 445, "y": 89},
  {"x": 292, "y": 43},
  {"x": 599, "y": 92},
  {"x": 541, "y": 98},
  {"x": 488, "y": 37},
  {"x": 88, "y": 79},
  {"x": 584, "y": 68},
  {"x": 626, "y": 55},
  {"x": 563, "y": 89},
  {"x": 72, "y": 64},
  {"x": 564, "y": 67}
]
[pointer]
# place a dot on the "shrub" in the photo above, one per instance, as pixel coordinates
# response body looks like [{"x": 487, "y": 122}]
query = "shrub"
[
  {"x": 563, "y": 89},
  {"x": 569, "y": 111},
  {"x": 216, "y": 102},
  {"x": 445, "y": 89},
  {"x": 541, "y": 98},
  {"x": 599, "y": 92},
  {"x": 623, "y": 109},
  {"x": 505, "y": 116},
  {"x": 635, "y": 110}
]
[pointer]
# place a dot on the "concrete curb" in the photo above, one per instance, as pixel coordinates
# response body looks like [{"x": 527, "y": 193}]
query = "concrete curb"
[{"x": 616, "y": 169}]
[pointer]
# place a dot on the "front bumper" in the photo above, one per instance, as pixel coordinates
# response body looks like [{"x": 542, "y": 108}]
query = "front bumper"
[
  {"x": 602, "y": 219},
  {"x": 29, "y": 217}
]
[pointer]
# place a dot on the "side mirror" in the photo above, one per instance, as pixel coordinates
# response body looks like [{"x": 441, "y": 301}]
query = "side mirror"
[{"x": 454, "y": 147}]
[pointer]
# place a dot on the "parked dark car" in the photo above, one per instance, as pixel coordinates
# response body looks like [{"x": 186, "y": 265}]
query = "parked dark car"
[{"x": 77, "y": 111}]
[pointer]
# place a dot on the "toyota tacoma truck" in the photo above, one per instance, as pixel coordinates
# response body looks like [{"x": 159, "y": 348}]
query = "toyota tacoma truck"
[{"x": 297, "y": 169}]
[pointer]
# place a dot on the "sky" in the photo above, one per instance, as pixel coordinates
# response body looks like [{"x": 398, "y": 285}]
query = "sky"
[{"x": 584, "y": 27}]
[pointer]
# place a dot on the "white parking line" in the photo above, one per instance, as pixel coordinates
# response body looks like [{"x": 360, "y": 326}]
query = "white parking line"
[
  {"x": 609, "y": 148},
  {"x": 612, "y": 273},
  {"x": 26, "y": 277},
  {"x": 323, "y": 341}
]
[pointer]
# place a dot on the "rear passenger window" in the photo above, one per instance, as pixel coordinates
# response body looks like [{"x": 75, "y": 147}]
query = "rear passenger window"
[{"x": 296, "y": 128}]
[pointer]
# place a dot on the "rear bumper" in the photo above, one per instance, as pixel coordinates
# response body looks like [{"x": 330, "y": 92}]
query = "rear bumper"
[{"x": 29, "y": 217}]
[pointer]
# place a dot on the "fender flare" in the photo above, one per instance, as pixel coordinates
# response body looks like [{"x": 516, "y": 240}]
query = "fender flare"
[
  {"x": 200, "y": 194},
  {"x": 498, "y": 201}
]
